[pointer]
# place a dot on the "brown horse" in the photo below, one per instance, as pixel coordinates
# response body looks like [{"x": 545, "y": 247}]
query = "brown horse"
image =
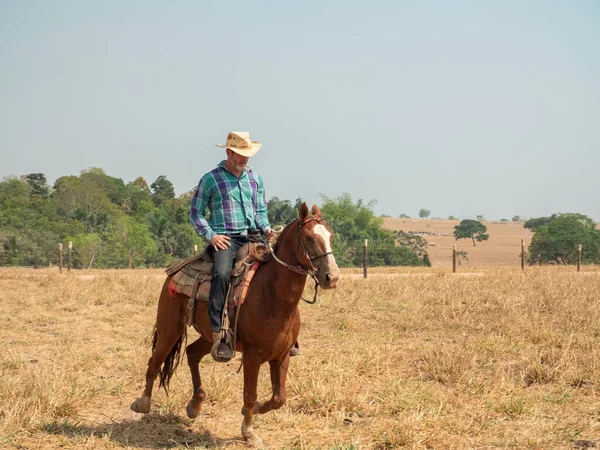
[{"x": 268, "y": 326}]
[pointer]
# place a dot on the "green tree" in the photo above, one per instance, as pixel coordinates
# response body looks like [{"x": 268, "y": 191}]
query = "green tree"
[
  {"x": 114, "y": 188},
  {"x": 15, "y": 204},
  {"x": 178, "y": 209},
  {"x": 162, "y": 190},
  {"x": 424, "y": 213},
  {"x": 185, "y": 237},
  {"x": 137, "y": 193},
  {"x": 128, "y": 244},
  {"x": 94, "y": 222},
  {"x": 536, "y": 222},
  {"x": 557, "y": 241},
  {"x": 516, "y": 218},
  {"x": 162, "y": 230},
  {"x": 353, "y": 222},
  {"x": 28, "y": 247},
  {"x": 404, "y": 216},
  {"x": 143, "y": 209},
  {"x": 281, "y": 212},
  {"x": 38, "y": 184},
  {"x": 426, "y": 260},
  {"x": 86, "y": 248},
  {"x": 451, "y": 218},
  {"x": 14, "y": 188},
  {"x": 471, "y": 229},
  {"x": 71, "y": 195},
  {"x": 417, "y": 244}
]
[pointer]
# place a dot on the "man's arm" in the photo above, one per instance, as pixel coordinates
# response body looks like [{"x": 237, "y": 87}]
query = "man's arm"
[
  {"x": 199, "y": 203},
  {"x": 260, "y": 208}
]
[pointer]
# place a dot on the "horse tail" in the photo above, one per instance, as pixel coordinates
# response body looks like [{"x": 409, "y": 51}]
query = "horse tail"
[{"x": 171, "y": 361}]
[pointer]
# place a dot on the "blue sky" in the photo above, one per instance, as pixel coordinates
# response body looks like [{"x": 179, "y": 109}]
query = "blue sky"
[{"x": 463, "y": 108}]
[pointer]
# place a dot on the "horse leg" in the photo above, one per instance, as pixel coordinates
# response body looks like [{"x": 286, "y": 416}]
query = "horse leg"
[
  {"x": 251, "y": 369},
  {"x": 195, "y": 352},
  {"x": 279, "y": 369},
  {"x": 168, "y": 336}
]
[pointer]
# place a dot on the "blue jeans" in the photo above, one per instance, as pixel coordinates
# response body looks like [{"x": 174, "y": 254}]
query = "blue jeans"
[{"x": 223, "y": 263}]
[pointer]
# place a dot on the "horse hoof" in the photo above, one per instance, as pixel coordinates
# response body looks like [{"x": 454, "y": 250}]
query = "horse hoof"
[
  {"x": 251, "y": 438},
  {"x": 192, "y": 412},
  {"x": 255, "y": 441},
  {"x": 141, "y": 405}
]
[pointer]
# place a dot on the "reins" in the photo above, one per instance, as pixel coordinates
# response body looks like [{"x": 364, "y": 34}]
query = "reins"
[{"x": 300, "y": 269}]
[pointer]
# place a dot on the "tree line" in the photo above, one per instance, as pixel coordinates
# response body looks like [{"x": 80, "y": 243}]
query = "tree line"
[
  {"x": 353, "y": 222},
  {"x": 109, "y": 222},
  {"x": 116, "y": 224},
  {"x": 113, "y": 224},
  {"x": 557, "y": 237}
]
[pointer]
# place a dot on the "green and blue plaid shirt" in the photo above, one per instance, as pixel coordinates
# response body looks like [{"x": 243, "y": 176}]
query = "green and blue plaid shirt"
[{"x": 235, "y": 204}]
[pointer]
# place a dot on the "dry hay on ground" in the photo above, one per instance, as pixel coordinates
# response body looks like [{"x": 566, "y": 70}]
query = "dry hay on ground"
[
  {"x": 500, "y": 360},
  {"x": 502, "y": 249}
]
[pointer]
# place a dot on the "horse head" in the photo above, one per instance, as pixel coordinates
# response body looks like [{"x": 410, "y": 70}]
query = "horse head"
[{"x": 314, "y": 240}]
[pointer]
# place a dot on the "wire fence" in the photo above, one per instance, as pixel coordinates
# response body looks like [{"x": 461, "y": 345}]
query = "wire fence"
[
  {"x": 513, "y": 253},
  {"x": 358, "y": 254}
]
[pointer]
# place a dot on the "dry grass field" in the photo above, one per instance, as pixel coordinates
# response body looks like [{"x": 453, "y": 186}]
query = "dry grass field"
[
  {"x": 502, "y": 249},
  {"x": 416, "y": 359}
]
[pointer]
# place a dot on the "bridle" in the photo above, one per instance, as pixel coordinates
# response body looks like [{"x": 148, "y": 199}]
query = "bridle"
[{"x": 300, "y": 245}]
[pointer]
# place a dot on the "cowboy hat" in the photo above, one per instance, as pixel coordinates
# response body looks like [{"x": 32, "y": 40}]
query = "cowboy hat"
[{"x": 239, "y": 142}]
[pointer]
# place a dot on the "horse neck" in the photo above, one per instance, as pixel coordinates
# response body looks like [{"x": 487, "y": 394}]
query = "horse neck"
[{"x": 290, "y": 284}]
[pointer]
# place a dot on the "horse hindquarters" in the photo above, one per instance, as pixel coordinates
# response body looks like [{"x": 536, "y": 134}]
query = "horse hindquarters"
[{"x": 169, "y": 335}]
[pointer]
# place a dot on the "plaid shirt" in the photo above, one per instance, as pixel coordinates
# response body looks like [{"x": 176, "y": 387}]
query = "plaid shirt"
[{"x": 235, "y": 205}]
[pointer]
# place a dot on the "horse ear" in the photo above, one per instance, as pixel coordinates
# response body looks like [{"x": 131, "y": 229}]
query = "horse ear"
[
  {"x": 303, "y": 213},
  {"x": 315, "y": 211}
]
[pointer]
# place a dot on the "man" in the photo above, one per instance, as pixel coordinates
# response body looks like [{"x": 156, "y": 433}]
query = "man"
[{"x": 234, "y": 194}]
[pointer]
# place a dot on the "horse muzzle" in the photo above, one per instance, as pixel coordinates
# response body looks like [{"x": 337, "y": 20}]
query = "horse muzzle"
[
  {"x": 328, "y": 271},
  {"x": 330, "y": 280}
]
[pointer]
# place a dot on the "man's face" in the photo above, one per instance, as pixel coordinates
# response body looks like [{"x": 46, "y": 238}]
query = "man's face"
[{"x": 236, "y": 160}]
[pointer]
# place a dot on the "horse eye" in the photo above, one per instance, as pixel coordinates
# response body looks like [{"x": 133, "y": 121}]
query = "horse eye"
[{"x": 309, "y": 239}]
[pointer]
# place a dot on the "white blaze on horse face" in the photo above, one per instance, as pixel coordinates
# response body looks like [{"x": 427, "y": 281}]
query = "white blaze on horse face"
[{"x": 324, "y": 233}]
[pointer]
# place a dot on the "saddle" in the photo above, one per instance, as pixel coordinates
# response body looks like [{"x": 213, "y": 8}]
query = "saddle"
[{"x": 191, "y": 277}]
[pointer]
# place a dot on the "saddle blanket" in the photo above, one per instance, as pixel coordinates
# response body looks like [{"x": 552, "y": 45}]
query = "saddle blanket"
[
  {"x": 183, "y": 282},
  {"x": 199, "y": 268}
]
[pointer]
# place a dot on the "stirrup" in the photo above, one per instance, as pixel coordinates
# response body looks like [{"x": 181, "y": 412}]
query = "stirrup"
[{"x": 221, "y": 351}]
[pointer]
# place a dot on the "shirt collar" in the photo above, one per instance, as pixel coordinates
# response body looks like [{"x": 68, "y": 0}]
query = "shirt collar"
[{"x": 222, "y": 166}]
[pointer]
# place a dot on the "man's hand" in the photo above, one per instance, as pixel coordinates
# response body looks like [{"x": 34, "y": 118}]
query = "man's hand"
[
  {"x": 271, "y": 236},
  {"x": 220, "y": 242}
]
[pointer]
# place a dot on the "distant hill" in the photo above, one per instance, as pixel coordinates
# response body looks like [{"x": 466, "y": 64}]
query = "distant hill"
[{"x": 502, "y": 249}]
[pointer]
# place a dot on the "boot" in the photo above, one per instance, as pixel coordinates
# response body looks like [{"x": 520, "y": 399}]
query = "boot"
[
  {"x": 295, "y": 350},
  {"x": 220, "y": 351}
]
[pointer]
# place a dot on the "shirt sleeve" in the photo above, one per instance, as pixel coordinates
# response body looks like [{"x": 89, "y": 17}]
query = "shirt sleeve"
[
  {"x": 199, "y": 203},
  {"x": 260, "y": 208}
]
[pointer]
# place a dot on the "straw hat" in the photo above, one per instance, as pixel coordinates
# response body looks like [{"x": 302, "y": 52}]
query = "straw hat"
[{"x": 239, "y": 142}]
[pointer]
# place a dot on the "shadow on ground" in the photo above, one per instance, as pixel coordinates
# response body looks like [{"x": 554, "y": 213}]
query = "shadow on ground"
[{"x": 152, "y": 431}]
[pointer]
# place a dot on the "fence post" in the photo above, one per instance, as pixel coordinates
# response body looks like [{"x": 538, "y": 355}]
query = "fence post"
[
  {"x": 453, "y": 258},
  {"x": 195, "y": 249},
  {"x": 365, "y": 259},
  {"x": 69, "y": 260},
  {"x": 60, "y": 258},
  {"x": 522, "y": 254},
  {"x": 578, "y": 257}
]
